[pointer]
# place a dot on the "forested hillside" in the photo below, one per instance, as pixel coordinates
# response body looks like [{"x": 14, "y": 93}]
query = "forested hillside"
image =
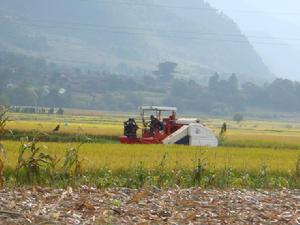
[
  {"x": 34, "y": 82},
  {"x": 130, "y": 35}
]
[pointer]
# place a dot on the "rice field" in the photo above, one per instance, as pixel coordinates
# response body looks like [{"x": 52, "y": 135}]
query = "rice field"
[
  {"x": 67, "y": 128},
  {"x": 249, "y": 151},
  {"x": 115, "y": 157},
  {"x": 254, "y": 134}
]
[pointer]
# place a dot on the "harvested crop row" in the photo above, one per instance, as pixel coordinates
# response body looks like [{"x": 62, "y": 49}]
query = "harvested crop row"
[{"x": 148, "y": 206}]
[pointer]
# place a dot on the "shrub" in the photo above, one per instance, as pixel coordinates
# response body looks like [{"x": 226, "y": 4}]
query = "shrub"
[
  {"x": 36, "y": 165},
  {"x": 238, "y": 117},
  {"x": 60, "y": 111}
]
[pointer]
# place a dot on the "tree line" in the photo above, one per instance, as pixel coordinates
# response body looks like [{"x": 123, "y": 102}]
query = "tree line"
[
  {"x": 224, "y": 96},
  {"x": 27, "y": 81}
]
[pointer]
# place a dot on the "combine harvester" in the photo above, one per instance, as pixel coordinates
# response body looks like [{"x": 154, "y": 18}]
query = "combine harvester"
[{"x": 168, "y": 130}]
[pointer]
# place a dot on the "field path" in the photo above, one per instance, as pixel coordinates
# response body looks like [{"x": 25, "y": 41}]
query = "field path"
[{"x": 148, "y": 206}]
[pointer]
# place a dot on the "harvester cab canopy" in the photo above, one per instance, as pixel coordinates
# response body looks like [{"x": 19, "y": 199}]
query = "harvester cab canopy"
[{"x": 156, "y": 111}]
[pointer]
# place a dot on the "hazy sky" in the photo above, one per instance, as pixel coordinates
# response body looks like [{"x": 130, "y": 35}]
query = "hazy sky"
[
  {"x": 279, "y": 19},
  {"x": 274, "y": 17},
  {"x": 292, "y": 6},
  {"x": 287, "y": 10}
]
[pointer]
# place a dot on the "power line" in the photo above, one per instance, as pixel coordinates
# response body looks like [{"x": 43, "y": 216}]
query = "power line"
[
  {"x": 182, "y": 35},
  {"x": 208, "y": 9},
  {"x": 98, "y": 26},
  {"x": 121, "y": 32}
]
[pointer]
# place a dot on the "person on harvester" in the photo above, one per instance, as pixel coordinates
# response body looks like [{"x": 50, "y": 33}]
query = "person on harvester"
[
  {"x": 155, "y": 124},
  {"x": 130, "y": 128}
]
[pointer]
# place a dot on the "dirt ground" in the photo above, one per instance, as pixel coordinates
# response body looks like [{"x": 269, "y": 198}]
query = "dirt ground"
[{"x": 148, "y": 206}]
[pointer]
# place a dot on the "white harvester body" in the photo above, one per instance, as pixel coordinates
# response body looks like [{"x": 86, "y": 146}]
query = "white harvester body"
[{"x": 192, "y": 133}]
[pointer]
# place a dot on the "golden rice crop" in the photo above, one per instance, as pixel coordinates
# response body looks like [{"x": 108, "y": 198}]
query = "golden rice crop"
[
  {"x": 69, "y": 128},
  {"x": 116, "y": 156}
]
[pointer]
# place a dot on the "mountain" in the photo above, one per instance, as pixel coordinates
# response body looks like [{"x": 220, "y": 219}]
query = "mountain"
[{"x": 131, "y": 35}]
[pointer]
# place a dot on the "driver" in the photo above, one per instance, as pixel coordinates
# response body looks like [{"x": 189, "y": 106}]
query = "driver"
[{"x": 154, "y": 124}]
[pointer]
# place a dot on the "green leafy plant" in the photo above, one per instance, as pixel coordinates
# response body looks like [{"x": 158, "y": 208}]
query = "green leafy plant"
[
  {"x": 34, "y": 162},
  {"x": 298, "y": 168},
  {"x": 162, "y": 177},
  {"x": 199, "y": 172},
  {"x": 3, "y": 156},
  {"x": 72, "y": 163}
]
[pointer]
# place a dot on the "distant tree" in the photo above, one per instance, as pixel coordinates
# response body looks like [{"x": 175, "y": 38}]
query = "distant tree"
[
  {"x": 28, "y": 110},
  {"x": 213, "y": 82},
  {"x": 233, "y": 83},
  {"x": 60, "y": 111},
  {"x": 51, "y": 111},
  {"x": 281, "y": 95},
  {"x": 297, "y": 94},
  {"x": 166, "y": 70},
  {"x": 238, "y": 117},
  {"x": 254, "y": 95}
]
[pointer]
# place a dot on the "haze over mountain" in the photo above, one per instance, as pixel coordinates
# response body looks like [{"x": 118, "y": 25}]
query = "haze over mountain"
[
  {"x": 139, "y": 34},
  {"x": 272, "y": 21}
]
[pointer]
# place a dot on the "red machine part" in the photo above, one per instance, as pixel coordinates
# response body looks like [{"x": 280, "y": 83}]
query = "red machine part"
[{"x": 155, "y": 137}]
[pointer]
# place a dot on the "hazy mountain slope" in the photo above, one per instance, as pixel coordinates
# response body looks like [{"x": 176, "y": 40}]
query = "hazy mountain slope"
[{"x": 110, "y": 32}]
